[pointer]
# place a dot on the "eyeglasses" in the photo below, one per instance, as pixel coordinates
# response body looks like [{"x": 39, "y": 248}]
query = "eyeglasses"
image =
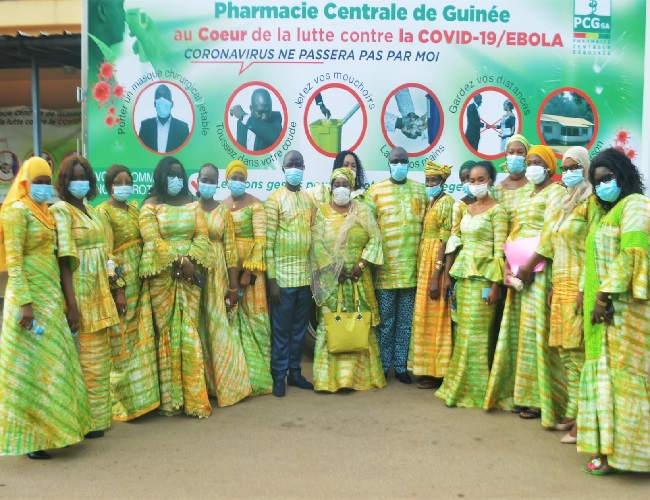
[{"x": 605, "y": 178}]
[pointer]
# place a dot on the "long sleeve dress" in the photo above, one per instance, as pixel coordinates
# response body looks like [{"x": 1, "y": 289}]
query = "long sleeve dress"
[
  {"x": 43, "y": 400},
  {"x": 82, "y": 238},
  {"x": 168, "y": 231},
  {"x": 563, "y": 242},
  {"x": 225, "y": 364},
  {"x": 431, "y": 335},
  {"x": 356, "y": 370},
  {"x": 524, "y": 367},
  {"x": 252, "y": 314},
  {"x": 614, "y": 409},
  {"x": 134, "y": 364},
  {"x": 479, "y": 264}
]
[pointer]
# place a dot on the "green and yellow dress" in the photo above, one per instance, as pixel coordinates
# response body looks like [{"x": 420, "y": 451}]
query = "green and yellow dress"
[
  {"x": 134, "y": 367},
  {"x": 563, "y": 242},
  {"x": 225, "y": 364},
  {"x": 357, "y": 370},
  {"x": 168, "y": 231},
  {"x": 479, "y": 264},
  {"x": 524, "y": 369},
  {"x": 431, "y": 335},
  {"x": 43, "y": 400},
  {"x": 614, "y": 407},
  {"x": 252, "y": 313},
  {"x": 82, "y": 238},
  {"x": 510, "y": 199}
]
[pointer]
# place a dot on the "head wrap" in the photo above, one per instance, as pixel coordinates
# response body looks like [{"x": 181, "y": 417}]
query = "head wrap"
[
  {"x": 546, "y": 154},
  {"x": 433, "y": 168},
  {"x": 346, "y": 173},
  {"x": 518, "y": 138},
  {"x": 581, "y": 191},
  {"x": 468, "y": 165},
  {"x": 20, "y": 191},
  {"x": 236, "y": 166}
]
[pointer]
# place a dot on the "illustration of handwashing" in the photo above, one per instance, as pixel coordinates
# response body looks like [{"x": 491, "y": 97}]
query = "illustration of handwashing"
[
  {"x": 326, "y": 132},
  {"x": 410, "y": 124}
]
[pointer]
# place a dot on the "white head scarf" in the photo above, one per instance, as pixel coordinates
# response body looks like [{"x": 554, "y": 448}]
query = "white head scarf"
[{"x": 580, "y": 192}]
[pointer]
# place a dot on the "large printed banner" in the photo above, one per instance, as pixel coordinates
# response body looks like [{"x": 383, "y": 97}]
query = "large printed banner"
[
  {"x": 60, "y": 131},
  {"x": 209, "y": 82}
]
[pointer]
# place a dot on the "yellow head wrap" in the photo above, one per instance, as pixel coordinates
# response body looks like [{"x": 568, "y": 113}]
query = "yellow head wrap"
[
  {"x": 346, "y": 173},
  {"x": 518, "y": 138},
  {"x": 433, "y": 168},
  {"x": 20, "y": 191},
  {"x": 546, "y": 154},
  {"x": 236, "y": 166}
]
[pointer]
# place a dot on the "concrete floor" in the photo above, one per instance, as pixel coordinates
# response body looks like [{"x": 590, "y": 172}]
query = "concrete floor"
[{"x": 395, "y": 442}]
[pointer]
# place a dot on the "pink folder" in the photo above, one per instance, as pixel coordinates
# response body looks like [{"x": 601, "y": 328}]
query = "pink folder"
[{"x": 519, "y": 251}]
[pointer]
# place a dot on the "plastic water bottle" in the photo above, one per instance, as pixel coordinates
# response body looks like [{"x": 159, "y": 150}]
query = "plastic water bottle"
[
  {"x": 36, "y": 328},
  {"x": 110, "y": 267}
]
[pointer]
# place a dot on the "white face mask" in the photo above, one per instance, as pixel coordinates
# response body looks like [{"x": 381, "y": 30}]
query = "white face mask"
[
  {"x": 536, "y": 174},
  {"x": 478, "y": 190},
  {"x": 341, "y": 196}
]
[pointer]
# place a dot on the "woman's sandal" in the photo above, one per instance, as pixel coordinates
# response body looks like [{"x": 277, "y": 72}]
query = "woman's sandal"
[
  {"x": 428, "y": 383},
  {"x": 517, "y": 409},
  {"x": 596, "y": 467},
  {"x": 529, "y": 414}
]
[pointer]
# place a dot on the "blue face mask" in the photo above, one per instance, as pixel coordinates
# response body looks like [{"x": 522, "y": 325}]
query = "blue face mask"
[
  {"x": 515, "y": 164},
  {"x": 608, "y": 191},
  {"x": 399, "y": 171},
  {"x": 293, "y": 176},
  {"x": 174, "y": 185},
  {"x": 207, "y": 190},
  {"x": 40, "y": 193},
  {"x": 572, "y": 178},
  {"x": 236, "y": 188},
  {"x": 434, "y": 191},
  {"x": 467, "y": 191},
  {"x": 163, "y": 107},
  {"x": 79, "y": 189},
  {"x": 122, "y": 193}
]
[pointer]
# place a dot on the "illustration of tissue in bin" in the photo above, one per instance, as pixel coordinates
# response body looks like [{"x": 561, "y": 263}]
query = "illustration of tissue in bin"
[{"x": 327, "y": 133}]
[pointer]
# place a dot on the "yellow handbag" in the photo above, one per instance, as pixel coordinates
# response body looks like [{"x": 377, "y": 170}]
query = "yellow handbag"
[{"x": 347, "y": 331}]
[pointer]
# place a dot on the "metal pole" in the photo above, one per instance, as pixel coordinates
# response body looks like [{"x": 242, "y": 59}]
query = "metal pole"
[{"x": 36, "y": 108}]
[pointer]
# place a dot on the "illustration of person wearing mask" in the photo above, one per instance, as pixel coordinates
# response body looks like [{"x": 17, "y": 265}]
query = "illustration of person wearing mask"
[
  {"x": 507, "y": 126},
  {"x": 163, "y": 133}
]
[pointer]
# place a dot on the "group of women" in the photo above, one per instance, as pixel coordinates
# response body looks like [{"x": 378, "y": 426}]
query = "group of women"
[
  {"x": 181, "y": 314},
  {"x": 563, "y": 331}
]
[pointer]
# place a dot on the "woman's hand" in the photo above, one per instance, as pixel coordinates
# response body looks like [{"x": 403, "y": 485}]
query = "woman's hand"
[
  {"x": 525, "y": 274},
  {"x": 493, "y": 296},
  {"x": 120, "y": 301},
  {"x": 187, "y": 269},
  {"x": 343, "y": 275},
  {"x": 599, "y": 314},
  {"x": 231, "y": 298},
  {"x": 434, "y": 287},
  {"x": 580, "y": 297},
  {"x": 26, "y": 316},
  {"x": 73, "y": 317},
  {"x": 549, "y": 298},
  {"x": 356, "y": 273},
  {"x": 245, "y": 279}
]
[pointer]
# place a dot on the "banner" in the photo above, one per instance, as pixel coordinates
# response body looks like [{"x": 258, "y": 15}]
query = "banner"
[
  {"x": 209, "y": 82},
  {"x": 60, "y": 131}
]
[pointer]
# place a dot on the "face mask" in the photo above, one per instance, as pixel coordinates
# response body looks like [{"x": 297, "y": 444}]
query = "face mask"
[
  {"x": 515, "y": 164},
  {"x": 536, "y": 174},
  {"x": 122, "y": 193},
  {"x": 478, "y": 190},
  {"x": 608, "y": 191},
  {"x": 207, "y": 190},
  {"x": 174, "y": 185},
  {"x": 434, "y": 191},
  {"x": 572, "y": 178},
  {"x": 293, "y": 176},
  {"x": 399, "y": 171},
  {"x": 341, "y": 196},
  {"x": 40, "y": 193},
  {"x": 79, "y": 189},
  {"x": 163, "y": 107},
  {"x": 467, "y": 191},
  {"x": 236, "y": 188}
]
